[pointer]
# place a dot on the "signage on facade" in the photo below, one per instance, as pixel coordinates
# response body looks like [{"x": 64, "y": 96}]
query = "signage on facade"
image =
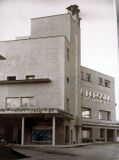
[{"x": 96, "y": 96}]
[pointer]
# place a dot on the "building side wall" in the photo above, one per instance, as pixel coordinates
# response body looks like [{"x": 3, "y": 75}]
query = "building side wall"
[
  {"x": 97, "y": 104},
  {"x": 40, "y": 57}
]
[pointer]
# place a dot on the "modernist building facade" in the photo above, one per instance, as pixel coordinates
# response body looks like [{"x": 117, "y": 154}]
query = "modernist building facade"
[
  {"x": 98, "y": 107},
  {"x": 42, "y": 96}
]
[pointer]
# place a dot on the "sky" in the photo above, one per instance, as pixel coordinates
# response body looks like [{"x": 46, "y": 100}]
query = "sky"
[{"x": 99, "y": 49}]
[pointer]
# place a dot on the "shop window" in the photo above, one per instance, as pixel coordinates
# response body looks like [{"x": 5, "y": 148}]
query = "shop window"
[
  {"x": 11, "y": 78},
  {"x": 27, "y": 101},
  {"x": 12, "y": 102},
  {"x": 107, "y": 83},
  {"x": 102, "y": 133},
  {"x": 30, "y": 77},
  {"x": 100, "y": 81},
  {"x": 104, "y": 115},
  {"x": 86, "y": 133},
  {"x": 42, "y": 135},
  {"x": 86, "y": 113},
  {"x": 88, "y": 77}
]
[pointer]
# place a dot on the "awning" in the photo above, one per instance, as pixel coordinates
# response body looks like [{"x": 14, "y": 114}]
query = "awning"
[{"x": 49, "y": 112}]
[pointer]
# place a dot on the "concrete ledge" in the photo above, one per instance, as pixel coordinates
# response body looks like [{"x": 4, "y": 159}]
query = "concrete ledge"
[{"x": 42, "y": 80}]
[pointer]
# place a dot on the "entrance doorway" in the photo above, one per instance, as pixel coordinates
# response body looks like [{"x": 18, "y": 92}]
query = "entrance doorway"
[
  {"x": 87, "y": 135},
  {"x": 110, "y": 135},
  {"x": 67, "y": 132},
  {"x": 9, "y": 133}
]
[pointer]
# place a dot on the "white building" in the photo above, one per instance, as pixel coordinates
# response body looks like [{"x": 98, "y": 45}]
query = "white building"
[{"x": 40, "y": 84}]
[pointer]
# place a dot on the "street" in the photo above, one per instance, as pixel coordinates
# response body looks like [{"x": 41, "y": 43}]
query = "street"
[{"x": 90, "y": 152}]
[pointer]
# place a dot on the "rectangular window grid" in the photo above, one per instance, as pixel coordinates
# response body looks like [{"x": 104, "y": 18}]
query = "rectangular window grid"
[{"x": 86, "y": 113}]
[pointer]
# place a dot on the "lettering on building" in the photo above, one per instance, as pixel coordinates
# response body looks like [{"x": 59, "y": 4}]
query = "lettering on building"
[{"x": 94, "y": 96}]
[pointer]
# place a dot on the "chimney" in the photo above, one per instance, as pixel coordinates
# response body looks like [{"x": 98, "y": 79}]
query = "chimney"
[{"x": 74, "y": 11}]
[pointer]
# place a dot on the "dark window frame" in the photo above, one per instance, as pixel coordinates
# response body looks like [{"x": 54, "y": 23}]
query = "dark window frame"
[
  {"x": 68, "y": 58},
  {"x": 11, "y": 78},
  {"x": 100, "y": 81},
  {"x": 88, "y": 77},
  {"x": 107, "y": 114},
  {"x": 29, "y": 77},
  {"x": 107, "y": 83}
]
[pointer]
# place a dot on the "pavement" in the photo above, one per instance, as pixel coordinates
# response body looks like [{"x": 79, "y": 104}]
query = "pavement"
[
  {"x": 108, "y": 151},
  {"x": 46, "y": 153}
]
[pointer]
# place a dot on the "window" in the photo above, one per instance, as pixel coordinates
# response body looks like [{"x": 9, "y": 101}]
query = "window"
[
  {"x": 67, "y": 104},
  {"x": 102, "y": 133},
  {"x": 108, "y": 115},
  {"x": 107, "y": 83},
  {"x": 11, "y": 78},
  {"x": 86, "y": 132},
  {"x": 86, "y": 113},
  {"x": 88, "y": 77},
  {"x": 104, "y": 115},
  {"x": 68, "y": 54},
  {"x": 67, "y": 79},
  {"x": 100, "y": 81},
  {"x": 27, "y": 101},
  {"x": 30, "y": 77},
  {"x": 42, "y": 135},
  {"x": 82, "y": 76},
  {"x": 67, "y": 134},
  {"x": 2, "y": 58},
  {"x": 12, "y": 102}
]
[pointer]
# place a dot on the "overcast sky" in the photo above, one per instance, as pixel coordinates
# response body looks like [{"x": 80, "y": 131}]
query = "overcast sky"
[{"x": 98, "y": 28}]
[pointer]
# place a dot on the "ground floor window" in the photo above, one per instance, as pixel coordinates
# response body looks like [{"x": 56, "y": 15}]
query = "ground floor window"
[
  {"x": 86, "y": 135},
  {"x": 42, "y": 135},
  {"x": 102, "y": 133},
  {"x": 110, "y": 135}
]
